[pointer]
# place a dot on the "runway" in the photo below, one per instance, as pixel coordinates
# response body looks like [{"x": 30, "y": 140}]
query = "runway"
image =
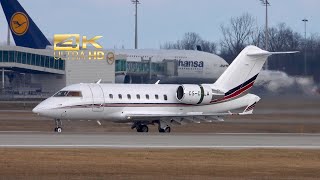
[{"x": 162, "y": 141}]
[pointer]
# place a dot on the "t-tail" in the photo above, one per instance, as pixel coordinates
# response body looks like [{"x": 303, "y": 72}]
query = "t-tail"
[
  {"x": 240, "y": 76},
  {"x": 24, "y": 31}
]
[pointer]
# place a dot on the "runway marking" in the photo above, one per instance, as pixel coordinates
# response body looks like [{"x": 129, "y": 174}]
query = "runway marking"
[
  {"x": 19, "y": 131},
  {"x": 154, "y": 146},
  {"x": 308, "y": 134},
  {"x": 153, "y": 134}
]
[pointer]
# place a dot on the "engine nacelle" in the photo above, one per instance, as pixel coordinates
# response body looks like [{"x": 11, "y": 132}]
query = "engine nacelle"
[{"x": 194, "y": 94}]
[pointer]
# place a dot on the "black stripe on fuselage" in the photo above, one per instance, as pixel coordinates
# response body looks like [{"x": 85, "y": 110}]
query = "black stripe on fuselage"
[{"x": 241, "y": 85}]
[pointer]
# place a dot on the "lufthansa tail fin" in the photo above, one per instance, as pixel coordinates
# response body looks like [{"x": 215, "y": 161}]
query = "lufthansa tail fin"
[
  {"x": 24, "y": 31},
  {"x": 243, "y": 71}
]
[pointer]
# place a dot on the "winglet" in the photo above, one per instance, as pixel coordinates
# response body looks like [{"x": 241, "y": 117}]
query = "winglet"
[
  {"x": 157, "y": 82},
  {"x": 99, "y": 81}
]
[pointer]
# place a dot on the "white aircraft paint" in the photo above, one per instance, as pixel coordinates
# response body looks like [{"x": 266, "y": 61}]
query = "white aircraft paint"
[{"x": 145, "y": 104}]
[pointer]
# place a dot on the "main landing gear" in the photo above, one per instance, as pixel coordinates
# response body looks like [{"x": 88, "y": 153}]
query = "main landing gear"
[
  {"x": 140, "y": 127},
  {"x": 58, "y": 127},
  {"x": 163, "y": 126}
]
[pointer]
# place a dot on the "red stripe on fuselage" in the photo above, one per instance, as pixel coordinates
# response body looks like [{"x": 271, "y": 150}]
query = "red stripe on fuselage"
[
  {"x": 128, "y": 105},
  {"x": 235, "y": 94}
]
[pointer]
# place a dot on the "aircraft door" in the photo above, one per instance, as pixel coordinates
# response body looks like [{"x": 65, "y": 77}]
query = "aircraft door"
[{"x": 97, "y": 97}]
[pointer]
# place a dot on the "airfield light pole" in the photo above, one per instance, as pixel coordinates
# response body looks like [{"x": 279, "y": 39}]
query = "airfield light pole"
[
  {"x": 136, "y": 2},
  {"x": 24, "y": 90},
  {"x": 266, "y": 3},
  {"x": 3, "y": 78},
  {"x": 305, "y": 45},
  {"x": 8, "y": 38}
]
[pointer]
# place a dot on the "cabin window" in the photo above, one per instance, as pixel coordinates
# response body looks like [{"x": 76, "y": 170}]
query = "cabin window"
[
  {"x": 120, "y": 96},
  {"x": 156, "y": 96},
  {"x": 128, "y": 96},
  {"x": 147, "y": 96},
  {"x": 165, "y": 97},
  {"x": 111, "y": 96},
  {"x": 138, "y": 96}
]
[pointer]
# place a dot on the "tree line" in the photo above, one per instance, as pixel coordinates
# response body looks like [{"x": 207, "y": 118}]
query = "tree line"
[{"x": 241, "y": 31}]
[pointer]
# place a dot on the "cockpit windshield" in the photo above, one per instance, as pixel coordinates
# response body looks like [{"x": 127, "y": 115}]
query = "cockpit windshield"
[
  {"x": 68, "y": 94},
  {"x": 61, "y": 94}
]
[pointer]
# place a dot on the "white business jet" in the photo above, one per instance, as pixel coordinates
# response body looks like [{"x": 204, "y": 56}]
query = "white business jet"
[{"x": 162, "y": 104}]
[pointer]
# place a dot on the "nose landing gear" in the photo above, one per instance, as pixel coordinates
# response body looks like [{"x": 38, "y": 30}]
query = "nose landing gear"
[{"x": 58, "y": 124}]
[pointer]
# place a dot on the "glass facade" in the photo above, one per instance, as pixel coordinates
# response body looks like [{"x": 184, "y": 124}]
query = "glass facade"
[
  {"x": 121, "y": 65},
  {"x": 32, "y": 59},
  {"x": 138, "y": 67},
  {"x": 144, "y": 67}
]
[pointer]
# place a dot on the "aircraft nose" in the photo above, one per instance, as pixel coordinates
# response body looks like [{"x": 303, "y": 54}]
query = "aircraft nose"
[
  {"x": 39, "y": 109},
  {"x": 36, "y": 110}
]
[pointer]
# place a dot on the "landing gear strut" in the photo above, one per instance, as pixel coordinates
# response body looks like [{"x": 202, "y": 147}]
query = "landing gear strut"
[{"x": 58, "y": 127}]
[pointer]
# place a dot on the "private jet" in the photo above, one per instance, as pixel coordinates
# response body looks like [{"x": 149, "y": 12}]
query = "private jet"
[{"x": 161, "y": 104}]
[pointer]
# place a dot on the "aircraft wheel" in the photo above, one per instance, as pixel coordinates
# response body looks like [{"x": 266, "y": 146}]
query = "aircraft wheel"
[
  {"x": 58, "y": 129},
  {"x": 142, "y": 128},
  {"x": 165, "y": 130}
]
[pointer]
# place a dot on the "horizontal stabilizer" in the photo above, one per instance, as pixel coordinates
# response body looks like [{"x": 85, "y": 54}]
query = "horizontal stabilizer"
[{"x": 266, "y": 53}]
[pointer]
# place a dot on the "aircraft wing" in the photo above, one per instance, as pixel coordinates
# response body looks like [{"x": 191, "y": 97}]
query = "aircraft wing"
[
  {"x": 195, "y": 117},
  {"x": 183, "y": 118}
]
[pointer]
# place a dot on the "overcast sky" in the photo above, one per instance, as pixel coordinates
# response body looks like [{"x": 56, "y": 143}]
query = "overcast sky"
[{"x": 159, "y": 20}]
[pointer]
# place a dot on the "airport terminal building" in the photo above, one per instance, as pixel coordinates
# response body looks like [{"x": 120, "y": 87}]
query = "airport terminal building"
[{"x": 36, "y": 73}]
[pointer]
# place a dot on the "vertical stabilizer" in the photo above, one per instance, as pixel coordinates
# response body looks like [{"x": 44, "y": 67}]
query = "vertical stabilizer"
[
  {"x": 243, "y": 71},
  {"x": 24, "y": 31}
]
